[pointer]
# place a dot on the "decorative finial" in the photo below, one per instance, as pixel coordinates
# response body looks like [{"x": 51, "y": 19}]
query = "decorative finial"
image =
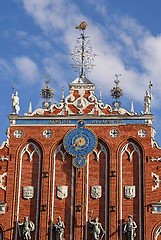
[
  {"x": 116, "y": 92},
  {"x": 46, "y": 93},
  {"x": 62, "y": 99},
  {"x": 150, "y": 86},
  {"x": 132, "y": 107},
  {"x": 82, "y": 55},
  {"x": 100, "y": 98},
  {"x": 30, "y": 107}
]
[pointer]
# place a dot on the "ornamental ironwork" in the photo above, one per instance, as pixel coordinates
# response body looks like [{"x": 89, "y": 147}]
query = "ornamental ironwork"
[{"x": 82, "y": 55}]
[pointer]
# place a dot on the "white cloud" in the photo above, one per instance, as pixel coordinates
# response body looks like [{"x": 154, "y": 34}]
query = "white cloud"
[
  {"x": 124, "y": 46},
  {"x": 27, "y": 69}
]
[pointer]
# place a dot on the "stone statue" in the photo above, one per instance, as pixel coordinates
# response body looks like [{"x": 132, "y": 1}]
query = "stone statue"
[
  {"x": 59, "y": 229},
  {"x": 147, "y": 102},
  {"x": 15, "y": 103},
  {"x": 129, "y": 229},
  {"x": 26, "y": 228},
  {"x": 96, "y": 228}
]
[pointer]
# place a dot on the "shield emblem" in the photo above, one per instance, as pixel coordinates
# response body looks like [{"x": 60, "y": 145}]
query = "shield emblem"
[
  {"x": 28, "y": 192},
  {"x": 62, "y": 192},
  {"x": 96, "y": 191},
  {"x": 130, "y": 192}
]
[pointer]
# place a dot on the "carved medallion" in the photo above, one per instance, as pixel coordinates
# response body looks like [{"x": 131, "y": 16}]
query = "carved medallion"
[
  {"x": 28, "y": 192},
  {"x": 130, "y": 192},
  {"x": 96, "y": 191},
  {"x": 62, "y": 192}
]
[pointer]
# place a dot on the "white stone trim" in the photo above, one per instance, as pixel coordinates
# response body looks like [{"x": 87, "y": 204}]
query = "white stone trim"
[
  {"x": 158, "y": 232},
  {"x": 124, "y": 149},
  {"x": 3, "y": 144},
  {"x": 72, "y": 199},
  {"x": 19, "y": 186},
  {"x": 52, "y": 205},
  {"x": 87, "y": 188}
]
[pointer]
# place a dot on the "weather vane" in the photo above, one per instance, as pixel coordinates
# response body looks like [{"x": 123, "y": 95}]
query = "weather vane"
[
  {"x": 46, "y": 93},
  {"x": 82, "y": 55},
  {"x": 116, "y": 92}
]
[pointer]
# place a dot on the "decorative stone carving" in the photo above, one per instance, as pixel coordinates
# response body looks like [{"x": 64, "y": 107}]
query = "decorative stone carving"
[
  {"x": 157, "y": 181},
  {"x": 96, "y": 191},
  {"x": 130, "y": 192},
  {"x": 8, "y": 136},
  {"x": 25, "y": 229},
  {"x": 130, "y": 229},
  {"x": 47, "y": 133},
  {"x": 114, "y": 133},
  {"x": 130, "y": 153},
  {"x": 157, "y": 159},
  {"x": 62, "y": 192},
  {"x": 18, "y": 133},
  {"x": 156, "y": 207},
  {"x": 15, "y": 103},
  {"x": 97, "y": 228},
  {"x": 28, "y": 192},
  {"x": 2, "y": 158},
  {"x": 59, "y": 229},
  {"x": 2, "y": 181},
  {"x": 142, "y": 133},
  {"x": 2, "y": 207}
]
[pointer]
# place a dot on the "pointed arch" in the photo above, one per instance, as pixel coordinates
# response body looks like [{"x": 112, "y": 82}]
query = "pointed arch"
[
  {"x": 29, "y": 165},
  {"x": 130, "y": 167}
]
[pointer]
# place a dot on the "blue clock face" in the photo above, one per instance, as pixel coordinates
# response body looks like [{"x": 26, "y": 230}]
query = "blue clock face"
[
  {"x": 79, "y": 162},
  {"x": 80, "y": 142}
]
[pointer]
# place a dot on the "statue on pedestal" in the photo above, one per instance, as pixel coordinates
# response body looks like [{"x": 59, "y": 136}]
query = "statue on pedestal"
[
  {"x": 26, "y": 228},
  {"x": 147, "y": 102},
  {"x": 96, "y": 228},
  {"x": 59, "y": 229},
  {"x": 15, "y": 103},
  {"x": 129, "y": 229}
]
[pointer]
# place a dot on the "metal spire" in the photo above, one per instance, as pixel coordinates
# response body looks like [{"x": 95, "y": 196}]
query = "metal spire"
[{"x": 82, "y": 55}]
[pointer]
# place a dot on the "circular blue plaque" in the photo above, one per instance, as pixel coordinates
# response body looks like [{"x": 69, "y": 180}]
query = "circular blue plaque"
[
  {"x": 79, "y": 162},
  {"x": 80, "y": 142}
]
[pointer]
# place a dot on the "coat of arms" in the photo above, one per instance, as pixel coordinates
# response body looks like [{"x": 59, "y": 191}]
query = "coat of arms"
[
  {"x": 96, "y": 191},
  {"x": 28, "y": 192},
  {"x": 130, "y": 192},
  {"x": 62, "y": 192}
]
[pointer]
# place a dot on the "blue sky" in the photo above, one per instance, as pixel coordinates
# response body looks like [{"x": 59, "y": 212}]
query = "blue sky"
[{"x": 38, "y": 35}]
